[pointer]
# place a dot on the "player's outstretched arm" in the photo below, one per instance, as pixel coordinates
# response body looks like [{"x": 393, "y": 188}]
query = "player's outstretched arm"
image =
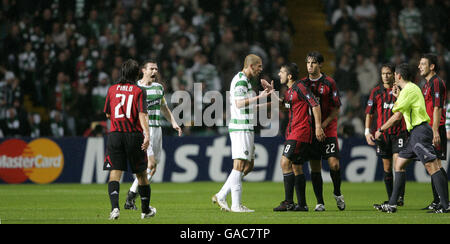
[
  {"x": 247, "y": 101},
  {"x": 391, "y": 121}
]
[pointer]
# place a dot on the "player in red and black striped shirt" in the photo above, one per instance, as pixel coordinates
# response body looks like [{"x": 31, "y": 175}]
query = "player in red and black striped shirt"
[
  {"x": 126, "y": 107},
  {"x": 435, "y": 93},
  {"x": 379, "y": 105},
  {"x": 325, "y": 90},
  {"x": 298, "y": 102}
]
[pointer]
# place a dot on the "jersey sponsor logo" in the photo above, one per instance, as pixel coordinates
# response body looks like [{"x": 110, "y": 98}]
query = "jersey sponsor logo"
[
  {"x": 41, "y": 161},
  {"x": 153, "y": 103}
]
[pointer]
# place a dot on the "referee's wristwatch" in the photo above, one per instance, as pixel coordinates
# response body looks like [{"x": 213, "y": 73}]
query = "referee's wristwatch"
[{"x": 380, "y": 130}]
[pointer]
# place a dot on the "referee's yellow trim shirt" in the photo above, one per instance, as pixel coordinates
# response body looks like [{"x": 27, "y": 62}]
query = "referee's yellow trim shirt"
[{"x": 411, "y": 104}]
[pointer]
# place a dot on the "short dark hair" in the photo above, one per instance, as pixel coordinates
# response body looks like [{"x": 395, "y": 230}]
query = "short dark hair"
[
  {"x": 148, "y": 61},
  {"x": 292, "y": 69},
  {"x": 129, "y": 72},
  {"x": 390, "y": 66},
  {"x": 318, "y": 57},
  {"x": 432, "y": 59},
  {"x": 404, "y": 70}
]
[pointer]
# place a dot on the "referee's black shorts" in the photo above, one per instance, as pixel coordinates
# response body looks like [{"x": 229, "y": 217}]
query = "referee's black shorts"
[
  {"x": 123, "y": 149},
  {"x": 420, "y": 144}
]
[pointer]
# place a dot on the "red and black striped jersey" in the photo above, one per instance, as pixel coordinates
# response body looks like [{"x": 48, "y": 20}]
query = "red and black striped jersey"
[
  {"x": 435, "y": 93},
  {"x": 298, "y": 100},
  {"x": 326, "y": 92},
  {"x": 380, "y": 102},
  {"x": 123, "y": 103}
]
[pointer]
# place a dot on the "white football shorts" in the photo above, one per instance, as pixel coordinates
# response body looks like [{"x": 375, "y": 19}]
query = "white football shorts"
[
  {"x": 242, "y": 145},
  {"x": 155, "y": 147}
]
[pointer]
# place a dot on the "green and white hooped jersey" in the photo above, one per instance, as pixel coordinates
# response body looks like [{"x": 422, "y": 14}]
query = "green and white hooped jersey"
[
  {"x": 155, "y": 94},
  {"x": 241, "y": 118}
]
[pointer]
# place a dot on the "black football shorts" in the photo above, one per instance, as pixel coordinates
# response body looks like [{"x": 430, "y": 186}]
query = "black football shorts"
[
  {"x": 324, "y": 150},
  {"x": 391, "y": 144},
  {"x": 296, "y": 151},
  {"x": 123, "y": 149}
]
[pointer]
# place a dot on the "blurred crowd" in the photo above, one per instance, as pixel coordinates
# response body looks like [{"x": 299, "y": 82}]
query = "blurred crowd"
[
  {"x": 58, "y": 57},
  {"x": 367, "y": 33}
]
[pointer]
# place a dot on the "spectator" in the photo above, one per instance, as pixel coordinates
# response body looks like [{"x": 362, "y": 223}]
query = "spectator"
[
  {"x": 346, "y": 35},
  {"x": 367, "y": 75},
  {"x": 99, "y": 95},
  {"x": 365, "y": 12},
  {"x": 344, "y": 76},
  {"x": 180, "y": 82},
  {"x": 410, "y": 21},
  {"x": 204, "y": 72},
  {"x": 338, "y": 13},
  {"x": 56, "y": 124},
  {"x": 184, "y": 48},
  {"x": 12, "y": 123},
  {"x": 35, "y": 125},
  {"x": 432, "y": 16},
  {"x": 27, "y": 64}
]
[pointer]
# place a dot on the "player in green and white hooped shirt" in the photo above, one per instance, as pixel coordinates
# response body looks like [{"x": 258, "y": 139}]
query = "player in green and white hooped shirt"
[
  {"x": 241, "y": 133},
  {"x": 156, "y": 106}
]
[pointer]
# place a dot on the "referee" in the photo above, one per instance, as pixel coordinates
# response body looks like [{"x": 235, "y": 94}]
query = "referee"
[{"x": 411, "y": 105}]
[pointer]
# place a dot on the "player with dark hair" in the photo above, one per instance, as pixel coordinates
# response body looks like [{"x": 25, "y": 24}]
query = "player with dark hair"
[
  {"x": 157, "y": 106},
  {"x": 325, "y": 90},
  {"x": 298, "y": 101},
  {"x": 379, "y": 105},
  {"x": 411, "y": 105},
  {"x": 128, "y": 139},
  {"x": 435, "y": 93}
]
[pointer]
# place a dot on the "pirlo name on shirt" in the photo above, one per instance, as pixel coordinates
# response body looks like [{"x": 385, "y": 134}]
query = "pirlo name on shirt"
[{"x": 124, "y": 88}]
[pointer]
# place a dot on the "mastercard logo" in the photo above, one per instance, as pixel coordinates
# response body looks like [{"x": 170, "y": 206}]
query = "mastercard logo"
[{"x": 41, "y": 161}]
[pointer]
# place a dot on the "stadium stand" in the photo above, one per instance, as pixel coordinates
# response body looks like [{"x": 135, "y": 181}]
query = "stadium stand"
[{"x": 57, "y": 57}]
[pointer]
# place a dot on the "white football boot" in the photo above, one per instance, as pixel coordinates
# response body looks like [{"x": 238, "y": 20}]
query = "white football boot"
[{"x": 221, "y": 202}]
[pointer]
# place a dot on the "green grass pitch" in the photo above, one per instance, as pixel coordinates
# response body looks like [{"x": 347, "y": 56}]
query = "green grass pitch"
[{"x": 190, "y": 203}]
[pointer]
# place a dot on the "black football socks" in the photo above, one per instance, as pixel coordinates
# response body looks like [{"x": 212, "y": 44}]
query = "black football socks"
[
  {"x": 389, "y": 182},
  {"x": 317, "y": 182},
  {"x": 300, "y": 188},
  {"x": 336, "y": 178},
  {"x": 399, "y": 185},
  {"x": 113, "y": 191},
  {"x": 433, "y": 187},
  {"x": 289, "y": 181},
  {"x": 440, "y": 183},
  {"x": 144, "y": 192}
]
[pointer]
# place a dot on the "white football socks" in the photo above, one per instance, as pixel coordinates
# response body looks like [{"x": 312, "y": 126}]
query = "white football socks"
[
  {"x": 233, "y": 185},
  {"x": 236, "y": 189}
]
